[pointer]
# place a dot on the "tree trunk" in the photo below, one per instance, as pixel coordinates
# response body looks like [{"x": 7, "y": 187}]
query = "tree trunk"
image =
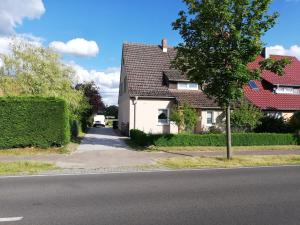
[{"x": 228, "y": 133}]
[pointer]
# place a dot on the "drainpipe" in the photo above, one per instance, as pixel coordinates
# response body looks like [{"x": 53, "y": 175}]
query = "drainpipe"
[{"x": 134, "y": 104}]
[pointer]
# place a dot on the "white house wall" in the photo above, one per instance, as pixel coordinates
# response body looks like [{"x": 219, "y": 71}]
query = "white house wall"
[
  {"x": 147, "y": 116},
  {"x": 218, "y": 117}
]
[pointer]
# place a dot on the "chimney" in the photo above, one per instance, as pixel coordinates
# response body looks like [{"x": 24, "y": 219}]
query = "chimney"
[
  {"x": 265, "y": 53},
  {"x": 164, "y": 45}
]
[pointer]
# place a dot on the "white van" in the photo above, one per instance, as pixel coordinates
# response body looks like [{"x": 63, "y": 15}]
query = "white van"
[{"x": 99, "y": 120}]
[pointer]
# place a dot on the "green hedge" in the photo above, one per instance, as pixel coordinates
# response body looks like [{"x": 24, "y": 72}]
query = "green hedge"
[
  {"x": 238, "y": 139},
  {"x": 33, "y": 121}
]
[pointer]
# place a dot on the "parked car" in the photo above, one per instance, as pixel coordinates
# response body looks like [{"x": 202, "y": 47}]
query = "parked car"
[{"x": 99, "y": 121}]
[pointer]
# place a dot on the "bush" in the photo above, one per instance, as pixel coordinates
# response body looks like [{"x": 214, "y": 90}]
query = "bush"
[
  {"x": 139, "y": 137},
  {"x": 74, "y": 128},
  {"x": 295, "y": 121},
  {"x": 33, "y": 121},
  {"x": 238, "y": 139},
  {"x": 273, "y": 125}
]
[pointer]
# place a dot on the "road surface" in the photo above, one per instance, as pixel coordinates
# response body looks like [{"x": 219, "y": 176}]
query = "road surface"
[{"x": 263, "y": 196}]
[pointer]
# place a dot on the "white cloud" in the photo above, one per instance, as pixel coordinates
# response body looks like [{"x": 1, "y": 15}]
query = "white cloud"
[
  {"x": 280, "y": 50},
  {"x": 77, "y": 46},
  {"x": 6, "y": 41},
  {"x": 107, "y": 81},
  {"x": 13, "y": 12}
]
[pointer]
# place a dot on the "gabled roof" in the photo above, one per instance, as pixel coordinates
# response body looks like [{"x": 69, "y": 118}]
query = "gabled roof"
[
  {"x": 145, "y": 67},
  {"x": 291, "y": 76},
  {"x": 175, "y": 75},
  {"x": 265, "y": 99}
]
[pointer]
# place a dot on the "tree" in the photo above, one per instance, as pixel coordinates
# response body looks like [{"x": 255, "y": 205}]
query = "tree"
[
  {"x": 185, "y": 117},
  {"x": 112, "y": 111},
  {"x": 34, "y": 70},
  {"x": 245, "y": 117},
  {"x": 220, "y": 38},
  {"x": 96, "y": 105},
  {"x": 92, "y": 93}
]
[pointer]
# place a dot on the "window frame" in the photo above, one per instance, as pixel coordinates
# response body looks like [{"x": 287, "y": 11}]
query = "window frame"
[
  {"x": 211, "y": 118},
  {"x": 168, "y": 117},
  {"x": 187, "y": 86}
]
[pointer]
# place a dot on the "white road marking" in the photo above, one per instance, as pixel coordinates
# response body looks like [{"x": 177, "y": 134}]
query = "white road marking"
[{"x": 10, "y": 219}]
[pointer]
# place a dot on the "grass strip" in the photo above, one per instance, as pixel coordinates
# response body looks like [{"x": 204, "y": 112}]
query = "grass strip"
[
  {"x": 222, "y": 162},
  {"x": 24, "y": 167}
]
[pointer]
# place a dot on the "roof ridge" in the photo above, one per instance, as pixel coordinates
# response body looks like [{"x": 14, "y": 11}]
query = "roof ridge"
[{"x": 144, "y": 44}]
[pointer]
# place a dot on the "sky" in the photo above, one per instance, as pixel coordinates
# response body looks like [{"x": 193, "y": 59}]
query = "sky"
[{"x": 89, "y": 33}]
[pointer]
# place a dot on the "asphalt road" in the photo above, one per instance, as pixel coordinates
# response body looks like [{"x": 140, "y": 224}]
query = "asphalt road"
[{"x": 263, "y": 196}]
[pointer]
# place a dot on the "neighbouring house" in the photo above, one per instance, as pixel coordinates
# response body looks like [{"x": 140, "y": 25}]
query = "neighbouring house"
[
  {"x": 277, "y": 96},
  {"x": 149, "y": 88}
]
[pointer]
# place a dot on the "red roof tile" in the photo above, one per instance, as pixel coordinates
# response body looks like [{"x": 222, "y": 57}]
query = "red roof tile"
[
  {"x": 267, "y": 100},
  {"x": 291, "y": 76}
]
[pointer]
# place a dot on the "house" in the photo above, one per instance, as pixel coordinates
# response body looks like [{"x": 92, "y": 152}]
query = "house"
[
  {"x": 277, "y": 96},
  {"x": 149, "y": 88}
]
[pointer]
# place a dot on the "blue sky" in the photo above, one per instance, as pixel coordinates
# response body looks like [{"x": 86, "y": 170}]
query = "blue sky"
[{"x": 109, "y": 23}]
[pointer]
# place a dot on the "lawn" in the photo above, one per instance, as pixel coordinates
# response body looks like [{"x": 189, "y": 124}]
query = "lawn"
[
  {"x": 27, "y": 151},
  {"x": 24, "y": 167},
  {"x": 216, "y": 148},
  {"x": 221, "y": 162}
]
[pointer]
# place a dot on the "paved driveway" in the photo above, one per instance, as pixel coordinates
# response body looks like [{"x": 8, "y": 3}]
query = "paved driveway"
[{"x": 102, "y": 139}]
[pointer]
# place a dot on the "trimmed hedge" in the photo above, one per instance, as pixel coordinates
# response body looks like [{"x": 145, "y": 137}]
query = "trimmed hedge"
[
  {"x": 33, "y": 121},
  {"x": 238, "y": 139}
]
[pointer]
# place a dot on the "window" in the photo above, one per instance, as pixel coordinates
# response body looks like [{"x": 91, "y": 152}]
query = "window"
[
  {"x": 285, "y": 90},
  {"x": 163, "y": 116},
  {"x": 209, "y": 118},
  {"x": 187, "y": 86}
]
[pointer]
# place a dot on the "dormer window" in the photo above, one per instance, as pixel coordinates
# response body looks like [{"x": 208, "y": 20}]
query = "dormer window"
[
  {"x": 286, "y": 90},
  {"x": 187, "y": 86}
]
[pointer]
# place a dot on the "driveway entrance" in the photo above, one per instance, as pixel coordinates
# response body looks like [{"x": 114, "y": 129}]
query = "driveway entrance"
[{"x": 102, "y": 139}]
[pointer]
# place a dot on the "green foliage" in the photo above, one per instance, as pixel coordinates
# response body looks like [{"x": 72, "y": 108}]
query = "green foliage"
[
  {"x": 245, "y": 117},
  {"x": 239, "y": 139},
  {"x": 139, "y": 137},
  {"x": 74, "y": 128},
  {"x": 295, "y": 121},
  {"x": 33, "y": 121},
  {"x": 184, "y": 116},
  {"x": 96, "y": 105},
  {"x": 220, "y": 39},
  {"x": 273, "y": 125},
  {"x": 112, "y": 111},
  {"x": 34, "y": 70}
]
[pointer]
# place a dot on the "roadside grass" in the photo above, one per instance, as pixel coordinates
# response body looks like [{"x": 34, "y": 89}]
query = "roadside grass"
[
  {"x": 24, "y": 167},
  {"x": 218, "y": 148},
  {"x": 28, "y": 151},
  {"x": 222, "y": 162}
]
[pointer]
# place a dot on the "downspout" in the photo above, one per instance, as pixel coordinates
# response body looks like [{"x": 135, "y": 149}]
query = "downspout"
[{"x": 134, "y": 116}]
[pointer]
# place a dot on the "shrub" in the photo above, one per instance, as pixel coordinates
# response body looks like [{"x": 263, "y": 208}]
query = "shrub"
[
  {"x": 295, "y": 121},
  {"x": 245, "y": 117},
  {"x": 139, "y": 137},
  {"x": 273, "y": 125},
  {"x": 33, "y": 121},
  {"x": 74, "y": 128},
  {"x": 238, "y": 139}
]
